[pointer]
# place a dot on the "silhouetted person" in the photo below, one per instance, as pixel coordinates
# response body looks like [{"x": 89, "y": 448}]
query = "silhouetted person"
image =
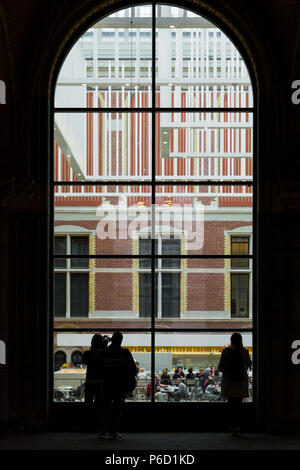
[
  {"x": 119, "y": 379},
  {"x": 94, "y": 383},
  {"x": 234, "y": 363}
]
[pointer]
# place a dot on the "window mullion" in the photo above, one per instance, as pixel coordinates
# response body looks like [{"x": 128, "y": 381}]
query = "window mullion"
[{"x": 153, "y": 206}]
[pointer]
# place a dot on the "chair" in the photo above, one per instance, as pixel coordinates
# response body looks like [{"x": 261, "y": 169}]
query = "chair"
[
  {"x": 140, "y": 389},
  {"x": 191, "y": 387},
  {"x": 78, "y": 394},
  {"x": 199, "y": 392}
]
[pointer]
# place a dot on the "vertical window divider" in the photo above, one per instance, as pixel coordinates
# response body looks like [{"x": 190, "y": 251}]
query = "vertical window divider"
[{"x": 153, "y": 203}]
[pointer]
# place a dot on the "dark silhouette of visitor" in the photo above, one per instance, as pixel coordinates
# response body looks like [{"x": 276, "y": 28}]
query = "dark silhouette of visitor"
[
  {"x": 234, "y": 363},
  {"x": 119, "y": 371},
  {"x": 94, "y": 384}
]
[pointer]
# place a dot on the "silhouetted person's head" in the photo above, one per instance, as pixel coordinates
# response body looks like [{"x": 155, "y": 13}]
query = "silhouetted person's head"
[
  {"x": 190, "y": 370},
  {"x": 97, "y": 342},
  {"x": 116, "y": 339},
  {"x": 106, "y": 340},
  {"x": 236, "y": 340}
]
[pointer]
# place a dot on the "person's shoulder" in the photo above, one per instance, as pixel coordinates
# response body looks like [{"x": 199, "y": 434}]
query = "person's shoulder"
[
  {"x": 127, "y": 352},
  {"x": 245, "y": 351}
]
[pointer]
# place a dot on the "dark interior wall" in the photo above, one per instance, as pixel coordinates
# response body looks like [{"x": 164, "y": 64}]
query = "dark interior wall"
[{"x": 34, "y": 38}]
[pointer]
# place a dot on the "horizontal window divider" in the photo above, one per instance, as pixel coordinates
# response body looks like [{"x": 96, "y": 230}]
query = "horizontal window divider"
[
  {"x": 153, "y": 183},
  {"x": 153, "y": 110},
  {"x": 149, "y": 330},
  {"x": 175, "y": 256}
]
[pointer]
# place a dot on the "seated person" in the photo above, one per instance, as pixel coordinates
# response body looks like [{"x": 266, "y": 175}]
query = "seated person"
[
  {"x": 190, "y": 374},
  {"x": 159, "y": 395},
  {"x": 178, "y": 373},
  {"x": 142, "y": 374},
  {"x": 181, "y": 393},
  {"x": 165, "y": 379},
  {"x": 205, "y": 378},
  {"x": 213, "y": 389},
  {"x": 199, "y": 374},
  {"x": 217, "y": 377}
]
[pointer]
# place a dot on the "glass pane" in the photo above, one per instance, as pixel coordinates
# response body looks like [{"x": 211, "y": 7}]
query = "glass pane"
[
  {"x": 79, "y": 246},
  {"x": 60, "y": 294},
  {"x": 196, "y": 64},
  {"x": 93, "y": 147},
  {"x": 170, "y": 292},
  {"x": 145, "y": 248},
  {"x": 171, "y": 246},
  {"x": 79, "y": 294},
  {"x": 240, "y": 246},
  {"x": 60, "y": 248},
  {"x": 111, "y": 64},
  {"x": 240, "y": 295},
  {"x": 113, "y": 218},
  {"x": 145, "y": 295},
  {"x": 200, "y": 220},
  {"x": 202, "y": 146},
  {"x": 186, "y": 366},
  {"x": 200, "y": 293},
  {"x": 70, "y": 364}
]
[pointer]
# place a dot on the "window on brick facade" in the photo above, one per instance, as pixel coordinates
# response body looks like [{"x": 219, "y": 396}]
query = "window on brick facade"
[
  {"x": 71, "y": 284},
  {"x": 239, "y": 295},
  {"x": 240, "y": 246},
  {"x": 167, "y": 279}
]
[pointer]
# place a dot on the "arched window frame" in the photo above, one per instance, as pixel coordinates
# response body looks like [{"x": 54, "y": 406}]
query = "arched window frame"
[{"x": 153, "y": 110}]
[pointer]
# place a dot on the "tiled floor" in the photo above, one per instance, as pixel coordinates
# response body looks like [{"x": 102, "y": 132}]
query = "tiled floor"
[{"x": 150, "y": 441}]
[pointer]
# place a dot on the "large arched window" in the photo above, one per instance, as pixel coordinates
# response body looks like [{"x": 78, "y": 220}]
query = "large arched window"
[{"x": 153, "y": 193}]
